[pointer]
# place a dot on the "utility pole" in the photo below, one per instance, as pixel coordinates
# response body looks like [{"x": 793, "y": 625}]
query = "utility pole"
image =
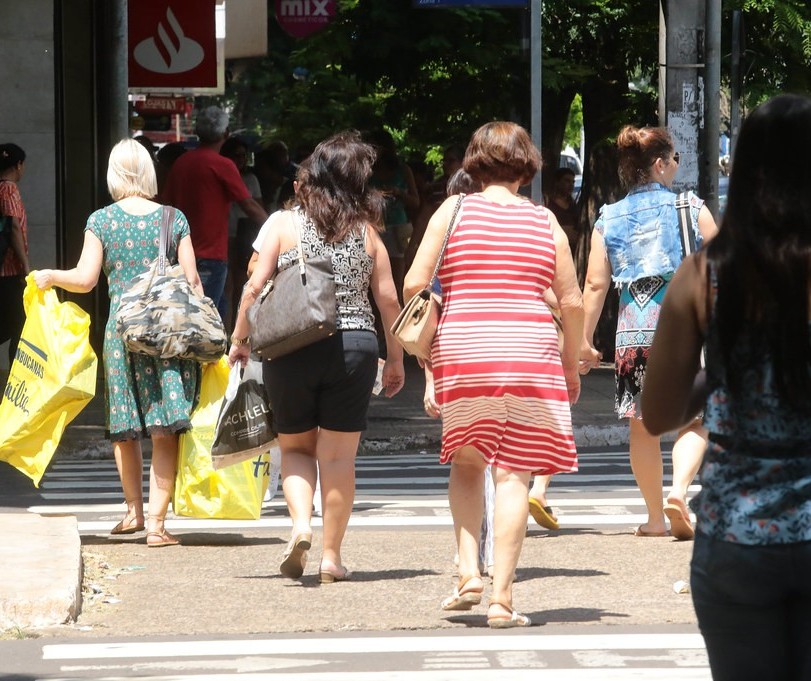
[
  {"x": 736, "y": 81},
  {"x": 708, "y": 172},
  {"x": 535, "y": 56}
]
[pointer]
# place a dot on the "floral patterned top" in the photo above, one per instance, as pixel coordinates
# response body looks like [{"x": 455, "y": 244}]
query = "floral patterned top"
[{"x": 756, "y": 477}]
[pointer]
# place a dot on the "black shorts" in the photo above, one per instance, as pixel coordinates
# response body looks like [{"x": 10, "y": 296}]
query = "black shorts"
[{"x": 327, "y": 384}]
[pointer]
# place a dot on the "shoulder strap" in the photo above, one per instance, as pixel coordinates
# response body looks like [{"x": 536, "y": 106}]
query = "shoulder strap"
[
  {"x": 297, "y": 218},
  {"x": 445, "y": 241},
  {"x": 688, "y": 237},
  {"x": 167, "y": 218}
]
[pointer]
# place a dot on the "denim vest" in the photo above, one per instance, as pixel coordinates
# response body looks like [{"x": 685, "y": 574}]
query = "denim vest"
[{"x": 641, "y": 232}]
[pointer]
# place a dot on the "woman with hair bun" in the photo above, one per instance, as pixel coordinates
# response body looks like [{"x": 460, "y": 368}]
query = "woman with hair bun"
[{"x": 636, "y": 243}]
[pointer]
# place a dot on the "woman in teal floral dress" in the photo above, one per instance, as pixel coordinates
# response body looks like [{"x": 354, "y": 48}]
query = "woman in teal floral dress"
[{"x": 144, "y": 396}]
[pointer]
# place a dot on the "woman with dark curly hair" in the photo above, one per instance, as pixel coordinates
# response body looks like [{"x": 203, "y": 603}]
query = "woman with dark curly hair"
[{"x": 320, "y": 394}]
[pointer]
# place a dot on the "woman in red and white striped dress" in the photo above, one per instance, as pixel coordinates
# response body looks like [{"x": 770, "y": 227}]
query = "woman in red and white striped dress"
[{"x": 503, "y": 386}]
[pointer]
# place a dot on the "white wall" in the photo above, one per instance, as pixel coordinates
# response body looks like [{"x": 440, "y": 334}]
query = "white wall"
[{"x": 27, "y": 117}]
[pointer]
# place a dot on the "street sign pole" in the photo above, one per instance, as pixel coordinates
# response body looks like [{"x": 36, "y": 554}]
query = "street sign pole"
[{"x": 536, "y": 9}]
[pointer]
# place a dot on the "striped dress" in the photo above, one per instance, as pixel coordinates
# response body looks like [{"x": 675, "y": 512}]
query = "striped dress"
[{"x": 499, "y": 380}]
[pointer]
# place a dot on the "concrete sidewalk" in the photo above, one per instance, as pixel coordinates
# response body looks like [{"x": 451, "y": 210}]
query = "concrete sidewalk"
[{"x": 41, "y": 555}]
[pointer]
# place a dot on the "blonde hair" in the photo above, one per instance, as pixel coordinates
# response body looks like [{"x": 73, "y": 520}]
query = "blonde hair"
[{"x": 131, "y": 171}]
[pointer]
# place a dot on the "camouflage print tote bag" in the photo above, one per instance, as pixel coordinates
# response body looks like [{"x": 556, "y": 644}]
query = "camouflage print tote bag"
[{"x": 160, "y": 315}]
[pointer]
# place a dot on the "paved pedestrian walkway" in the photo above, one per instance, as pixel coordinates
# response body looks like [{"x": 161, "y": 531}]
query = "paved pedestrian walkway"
[{"x": 41, "y": 582}]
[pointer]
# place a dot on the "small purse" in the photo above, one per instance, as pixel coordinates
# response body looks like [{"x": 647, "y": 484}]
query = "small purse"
[
  {"x": 160, "y": 315},
  {"x": 296, "y": 308},
  {"x": 415, "y": 326}
]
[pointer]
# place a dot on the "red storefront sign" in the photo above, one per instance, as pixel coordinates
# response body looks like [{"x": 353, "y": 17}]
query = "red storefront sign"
[
  {"x": 172, "y": 43},
  {"x": 166, "y": 105},
  {"x": 301, "y": 18}
]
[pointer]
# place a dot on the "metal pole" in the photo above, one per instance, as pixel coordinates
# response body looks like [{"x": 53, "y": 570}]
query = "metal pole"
[
  {"x": 662, "y": 65},
  {"x": 712, "y": 109},
  {"x": 535, "y": 57},
  {"x": 112, "y": 89},
  {"x": 736, "y": 82}
]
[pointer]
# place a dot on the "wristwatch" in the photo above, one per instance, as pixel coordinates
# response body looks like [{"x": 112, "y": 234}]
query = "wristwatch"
[{"x": 241, "y": 341}]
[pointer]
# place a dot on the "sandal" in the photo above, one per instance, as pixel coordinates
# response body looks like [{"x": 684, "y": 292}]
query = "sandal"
[
  {"x": 464, "y": 598},
  {"x": 514, "y": 619},
  {"x": 543, "y": 515},
  {"x": 159, "y": 537},
  {"x": 129, "y": 525},
  {"x": 335, "y": 574},
  {"x": 680, "y": 526},
  {"x": 294, "y": 559},
  {"x": 132, "y": 521}
]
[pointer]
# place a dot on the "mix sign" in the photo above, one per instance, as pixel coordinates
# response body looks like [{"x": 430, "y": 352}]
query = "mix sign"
[{"x": 301, "y": 18}]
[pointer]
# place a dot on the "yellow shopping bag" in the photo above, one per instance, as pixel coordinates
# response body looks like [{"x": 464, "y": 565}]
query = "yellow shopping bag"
[
  {"x": 234, "y": 492},
  {"x": 52, "y": 378}
]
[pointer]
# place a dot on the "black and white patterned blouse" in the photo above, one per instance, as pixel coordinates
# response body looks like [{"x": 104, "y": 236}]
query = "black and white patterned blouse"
[{"x": 353, "y": 271}]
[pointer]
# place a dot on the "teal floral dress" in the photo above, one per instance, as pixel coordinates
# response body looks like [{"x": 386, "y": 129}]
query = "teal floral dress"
[{"x": 143, "y": 395}]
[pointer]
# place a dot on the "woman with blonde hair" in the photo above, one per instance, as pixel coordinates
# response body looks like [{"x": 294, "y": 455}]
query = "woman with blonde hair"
[
  {"x": 144, "y": 396},
  {"x": 636, "y": 244},
  {"x": 502, "y": 385}
]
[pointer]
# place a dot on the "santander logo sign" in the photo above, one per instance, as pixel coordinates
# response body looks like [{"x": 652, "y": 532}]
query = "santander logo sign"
[
  {"x": 170, "y": 51},
  {"x": 172, "y": 44},
  {"x": 301, "y": 18}
]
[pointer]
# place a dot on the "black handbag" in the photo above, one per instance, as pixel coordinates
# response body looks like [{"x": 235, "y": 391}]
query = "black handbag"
[{"x": 296, "y": 308}]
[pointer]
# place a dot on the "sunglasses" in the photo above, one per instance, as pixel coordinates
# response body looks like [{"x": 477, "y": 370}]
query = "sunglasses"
[{"x": 676, "y": 157}]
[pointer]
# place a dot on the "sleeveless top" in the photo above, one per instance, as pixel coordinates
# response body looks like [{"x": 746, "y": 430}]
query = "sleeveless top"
[
  {"x": 756, "y": 477},
  {"x": 352, "y": 266},
  {"x": 641, "y": 232}
]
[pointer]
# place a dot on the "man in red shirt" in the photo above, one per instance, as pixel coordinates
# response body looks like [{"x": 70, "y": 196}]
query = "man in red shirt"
[{"x": 203, "y": 184}]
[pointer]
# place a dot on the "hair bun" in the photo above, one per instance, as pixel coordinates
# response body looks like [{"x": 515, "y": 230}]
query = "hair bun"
[{"x": 629, "y": 138}]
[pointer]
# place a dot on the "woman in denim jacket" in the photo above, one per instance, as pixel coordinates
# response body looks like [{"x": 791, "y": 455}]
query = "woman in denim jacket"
[{"x": 636, "y": 244}]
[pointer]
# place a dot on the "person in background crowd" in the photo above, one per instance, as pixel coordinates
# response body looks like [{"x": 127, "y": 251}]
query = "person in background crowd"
[
  {"x": 394, "y": 178},
  {"x": 501, "y": 386},
  {"x": 636, "y": 244},
  {"x": 745, "y": 298},
  {"x": 432, "y": 197},
  {"x": 275, "y": 173},
  {"x": 242, "y": 230},
  {"x": 320, "y": 394},
  {"x": 561, "y": 203},
  {"x": 165, "y": 159},
  {"x": 203, "y": 184},
  {"x": 14, "y": 265},
  {"x": 143, "y": 395}
]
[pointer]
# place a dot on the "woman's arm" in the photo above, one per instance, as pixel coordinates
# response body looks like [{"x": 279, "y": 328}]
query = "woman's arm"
[
  {"x": 419, "y": 275},
  {"x": 18, "y": 243},
  {"x": 671, "y": 397},
  {"x": 266, "y": 261},
  {"x": 570, "y": 302},
  {"x": 706, "y": 224},
  {"x": 385, "y": 297},
  {"x": 409, "y": 196},
  {"x": 188, "y": 263},
  {"x": 82, "y": 278},
  {"x": 598, "y": 279}
]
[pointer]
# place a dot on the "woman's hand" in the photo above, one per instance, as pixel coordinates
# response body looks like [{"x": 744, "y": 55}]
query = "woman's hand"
[
  {"x": 572, "y": 377},
  {"x": 239, "y": 353},
  {"x": 429, "y": 401},
  {"x": 589, "y": 357},
  {"x": 43, "y": 279},
  {"x": 393, "y": 376}
]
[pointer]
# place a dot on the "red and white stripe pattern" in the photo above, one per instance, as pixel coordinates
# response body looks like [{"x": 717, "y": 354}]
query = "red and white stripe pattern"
[{"x": 499, "y": 379}]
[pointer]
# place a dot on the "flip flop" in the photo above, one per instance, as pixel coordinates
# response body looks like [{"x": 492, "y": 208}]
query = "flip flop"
[
  {"x": 128, "y": 526},
  {"x": 639, "y": 532},
  {"x": 680, "y": 526},
  {"x": 543, "y": 515}
]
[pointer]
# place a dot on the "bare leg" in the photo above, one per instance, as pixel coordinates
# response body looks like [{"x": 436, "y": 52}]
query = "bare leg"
[
  {"x": 129, "y": 461},
  {"x": 466, "y": 499},
  {"x": 336, "y": 453},
  {"x": 299, "y": 472},
  {"x": 646, "y": 464},
  {"x": 510, "y": 528},
  {"x": 540, "y": 483},
  {"x": 161, "y": 487},
  {"x": 688, "y": 451}
]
